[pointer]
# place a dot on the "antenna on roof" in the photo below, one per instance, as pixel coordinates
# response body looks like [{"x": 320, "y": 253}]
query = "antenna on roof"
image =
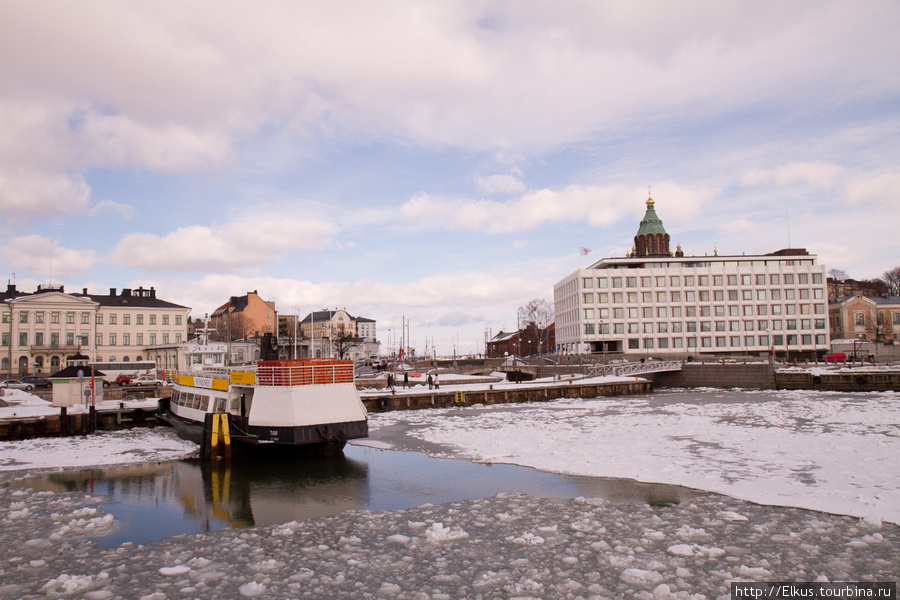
[
  {"x": 787, "y": 218},
  {"x": 51, "y": 264}
]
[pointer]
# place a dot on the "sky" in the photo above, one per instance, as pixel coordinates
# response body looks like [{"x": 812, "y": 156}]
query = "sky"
[{"x": 441, "y": 162}]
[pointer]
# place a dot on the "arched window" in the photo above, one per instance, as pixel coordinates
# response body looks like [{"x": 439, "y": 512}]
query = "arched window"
[
  {"x": 125, "y": 359},
  {"x": 4, "y": 363},
  {"x": 54, "y": 362}
]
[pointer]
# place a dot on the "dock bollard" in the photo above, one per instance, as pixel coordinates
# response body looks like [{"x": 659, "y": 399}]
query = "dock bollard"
[
  {"x": 216, "y": 437},
  {"x": 221, "y": 434}
]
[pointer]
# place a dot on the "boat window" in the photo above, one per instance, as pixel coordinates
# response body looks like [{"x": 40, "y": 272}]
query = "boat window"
[
  {"x": 204, "y": 403},
  {"x": 220, "y": 405}
]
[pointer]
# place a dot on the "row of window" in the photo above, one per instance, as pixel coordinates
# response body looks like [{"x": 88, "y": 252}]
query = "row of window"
[
  {"x": 647, "y": 281},
  {"x": 201, "y": 401},
  {"x": 703, "y": 296},
  {"x": 82, "y": 339},
  {"x": 39, "y": 317},
  {"x": 703, "y": 326},
  {"x": 734, "y": 341},
  {"x": 733, "y": 310}
]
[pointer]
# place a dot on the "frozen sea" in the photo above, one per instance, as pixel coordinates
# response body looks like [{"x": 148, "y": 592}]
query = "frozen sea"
[{"x": 806, "y": 490}]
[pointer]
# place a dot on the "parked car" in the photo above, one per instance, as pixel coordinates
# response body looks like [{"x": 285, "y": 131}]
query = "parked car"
[
  {"x": 37, "y": 381},
  {"x": 836, "y": 357},
  {"x": 125, "y": 379},
  {"x": 146, "y": 380},
  {"x": 15, "y": 384},
  {"x": 618, "y": 361}
]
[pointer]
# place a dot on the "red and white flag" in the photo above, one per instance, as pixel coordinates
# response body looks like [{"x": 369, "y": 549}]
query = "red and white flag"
[{"x": 585, "y": 251}]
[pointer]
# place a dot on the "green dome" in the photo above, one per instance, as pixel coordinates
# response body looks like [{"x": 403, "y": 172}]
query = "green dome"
[{"x": 651, "y": 224}]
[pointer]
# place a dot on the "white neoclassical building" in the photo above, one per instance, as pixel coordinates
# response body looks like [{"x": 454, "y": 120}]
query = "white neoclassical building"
[
  {"x": 658, "y": 303},
  {"x": 39, "y": 330}
]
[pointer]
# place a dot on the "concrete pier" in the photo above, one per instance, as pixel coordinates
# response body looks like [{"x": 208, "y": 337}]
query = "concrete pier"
[{"x": 499, "y": 394}]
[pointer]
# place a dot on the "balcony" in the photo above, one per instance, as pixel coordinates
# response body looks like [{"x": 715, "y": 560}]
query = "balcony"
[{"x": 54, "y": 348}]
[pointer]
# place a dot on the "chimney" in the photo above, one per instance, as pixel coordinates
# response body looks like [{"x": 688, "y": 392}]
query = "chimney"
[
  {"x": 84, "y": 292},
  {"x": 112, "y": 291},
  {"x": 11, "y": 289},
  {"x": 152, "y": 292},
  {"x": 126, "y": 292}
]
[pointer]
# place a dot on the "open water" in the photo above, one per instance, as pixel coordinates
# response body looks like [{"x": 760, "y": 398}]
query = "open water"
[{"x": 156, "y": 500}]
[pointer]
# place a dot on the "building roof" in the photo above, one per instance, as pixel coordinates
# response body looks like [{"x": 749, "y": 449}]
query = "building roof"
[
  {"x": 328, "y": 315},
  {"x": 72, "y": 371},
  {"x": 651, "y": 224},
  {"x": 505, "y": 335},
  {"x": 877, "y": 300},
  {"x": 139, "y": 298}
]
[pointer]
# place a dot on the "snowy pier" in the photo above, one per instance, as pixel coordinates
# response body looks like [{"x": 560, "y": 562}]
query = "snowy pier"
[
  {"x": 62, "y": 421},
  {"x": 418, "y": 397}
]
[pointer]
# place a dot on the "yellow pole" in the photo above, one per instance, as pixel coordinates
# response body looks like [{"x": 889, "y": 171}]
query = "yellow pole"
[{"x": 226, "y": 436}]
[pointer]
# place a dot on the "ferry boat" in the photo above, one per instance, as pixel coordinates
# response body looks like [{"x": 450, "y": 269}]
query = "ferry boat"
[{"x": 309, "y": 406}]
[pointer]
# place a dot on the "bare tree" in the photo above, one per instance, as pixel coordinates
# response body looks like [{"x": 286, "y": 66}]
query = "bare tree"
[
  {"x": 232, "y": 326},
  {"x": 536, "y": 318},
  {"x": 344, "y": 339},
  {"x": 838, "y": 275},
  {"x": 892, "y": 279}
]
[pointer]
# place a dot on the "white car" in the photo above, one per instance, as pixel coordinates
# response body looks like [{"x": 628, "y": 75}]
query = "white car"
[
  {"x": 146, "y": 380},
  {"x": 15, "y": 384}
]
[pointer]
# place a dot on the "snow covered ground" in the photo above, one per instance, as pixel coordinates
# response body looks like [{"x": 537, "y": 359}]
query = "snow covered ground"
[
  {"x": 834, "y": 452},
  {"x": 830, "y": 451}
]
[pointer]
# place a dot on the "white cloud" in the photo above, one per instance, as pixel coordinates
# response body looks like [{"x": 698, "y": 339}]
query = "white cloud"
[
  {"x": 598, "y": 206},
  {"x": 815, "y": 175},
  {"x": 39, "y": 254},
  {"x": 252, "y": 240},
  {"x": 502, "y": 184},
  {"x": 30, "y": 195},
  {"x": 126, "y": 211},
  {"x": 876, "y": 189}
]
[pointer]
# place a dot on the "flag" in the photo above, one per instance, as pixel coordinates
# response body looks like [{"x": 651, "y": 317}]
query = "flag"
[{"x": 585, "y": 251}]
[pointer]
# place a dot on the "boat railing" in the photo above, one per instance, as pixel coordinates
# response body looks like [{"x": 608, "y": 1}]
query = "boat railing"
[{"x": 309, "y": 373}]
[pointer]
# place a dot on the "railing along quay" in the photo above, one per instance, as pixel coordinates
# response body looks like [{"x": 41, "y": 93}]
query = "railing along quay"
[{"x": 636, "y": 368}]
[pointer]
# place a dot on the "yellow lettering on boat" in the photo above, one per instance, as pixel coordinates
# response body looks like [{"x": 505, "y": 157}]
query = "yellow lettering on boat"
[{"x": 243, "y": 377}]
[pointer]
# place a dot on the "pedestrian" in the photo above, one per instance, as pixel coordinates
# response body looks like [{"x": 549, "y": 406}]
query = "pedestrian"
[
  {"x": 437, "y": 384},
  {"x": 405, "y": 379},
  {"x": 430, "y": 382},
  {"x": 390, "y": 381}
]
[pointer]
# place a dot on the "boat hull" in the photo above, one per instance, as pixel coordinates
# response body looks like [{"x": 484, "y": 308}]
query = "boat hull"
[{"x": 322, "y": 440}]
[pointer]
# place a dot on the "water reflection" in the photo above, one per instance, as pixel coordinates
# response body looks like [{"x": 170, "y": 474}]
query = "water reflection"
[{"x": 154, "y": 501}]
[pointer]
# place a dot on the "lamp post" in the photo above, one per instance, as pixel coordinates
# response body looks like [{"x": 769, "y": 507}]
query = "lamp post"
[{"x": 227, "y": 343}]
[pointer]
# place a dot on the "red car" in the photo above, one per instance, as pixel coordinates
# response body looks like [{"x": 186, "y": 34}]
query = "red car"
[{"x": 836, "y": 357}]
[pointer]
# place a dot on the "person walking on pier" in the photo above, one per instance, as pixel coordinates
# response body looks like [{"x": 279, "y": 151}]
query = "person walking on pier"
[
  {"x": 437, "y": 384},
  {"x": 406, "y": 379},
  {"x": 430, "y": 382}
]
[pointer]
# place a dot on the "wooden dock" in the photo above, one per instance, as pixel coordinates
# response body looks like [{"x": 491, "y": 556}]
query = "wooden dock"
[{"x": 79, "y": 423}]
